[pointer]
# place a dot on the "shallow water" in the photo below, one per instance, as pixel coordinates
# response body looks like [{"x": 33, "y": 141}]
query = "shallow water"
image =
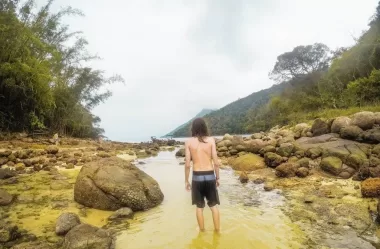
[{"x": 250, "y": 217}]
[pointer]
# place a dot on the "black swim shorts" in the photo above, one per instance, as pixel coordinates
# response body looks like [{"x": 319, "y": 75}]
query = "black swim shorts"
[{"x": 204, "y": 186}]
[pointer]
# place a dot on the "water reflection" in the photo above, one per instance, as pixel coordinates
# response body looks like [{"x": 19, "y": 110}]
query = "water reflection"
[{"x": 206, "y": 240}]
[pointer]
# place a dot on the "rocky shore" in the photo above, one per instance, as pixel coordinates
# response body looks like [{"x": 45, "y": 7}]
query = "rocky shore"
[
  {"x": 66, "y": 193},
  {"x": 328, "y": 171}
]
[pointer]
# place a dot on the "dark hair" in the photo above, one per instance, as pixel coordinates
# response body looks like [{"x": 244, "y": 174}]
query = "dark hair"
[{"x": 199, "y": 129}]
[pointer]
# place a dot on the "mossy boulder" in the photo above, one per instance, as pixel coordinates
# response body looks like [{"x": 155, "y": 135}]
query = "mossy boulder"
[
  {"x": 313, "y": 153},
  {"x": 332, "y": 165},
  {"x": 364, "y": 120},
  {"x": 52, "y": 149},
  {"x": 180, "y": 153},
  {"x": 272, "y": 159},
  {"x": 268, "y": 148},
  {"x": 248, "y": 162},
  {"x": 340, "y": 123},
  {"x": 320, "y": 127},
  {"x": 355, "y": 160},
  {"x": 113, "y": 183},
  {"x": 285, "y": 149},
  {"x": 371, "y": 187},
  {"x": 243, "y": 178},
  {"x": 287, "y": 170},
  {"x": 304, "y": 162},
  {"x": 87, "y": 236},
  {"x": 352, "y": 132},
  {"x": 302, "y": 172},
  {"x": 376, "y": 150}
]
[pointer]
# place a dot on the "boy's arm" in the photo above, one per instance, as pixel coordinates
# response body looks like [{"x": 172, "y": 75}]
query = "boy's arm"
[
  {"x": 187, "y": 163},
  {"x": 215, "y": 159}
]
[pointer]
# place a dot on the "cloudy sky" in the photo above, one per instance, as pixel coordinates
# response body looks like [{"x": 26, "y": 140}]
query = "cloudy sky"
[{"x": 180, "y": 56}]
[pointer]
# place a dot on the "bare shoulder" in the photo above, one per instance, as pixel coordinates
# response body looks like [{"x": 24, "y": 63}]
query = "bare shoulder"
[{"x": 210, "y": 140}]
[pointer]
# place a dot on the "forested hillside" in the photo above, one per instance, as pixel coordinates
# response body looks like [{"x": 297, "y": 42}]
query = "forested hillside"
[
  {"x": 43, "y": 81},
  {"x": 310, "y": 81},
  {"x": 199, "y": 115}
]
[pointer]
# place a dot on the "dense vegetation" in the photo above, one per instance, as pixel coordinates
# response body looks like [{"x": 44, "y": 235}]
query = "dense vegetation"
[
  {"x": 201, "y": 114},
  {"x": 311, "y": 81},
  {"x": 44, "y": 83}
]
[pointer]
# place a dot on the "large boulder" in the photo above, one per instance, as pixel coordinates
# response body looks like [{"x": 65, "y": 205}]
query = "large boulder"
[
  {"x": 7, "y": 173},
  {"x": 112, "y": 183},
  {"x": 351, "y": 132},
  {"x": 66, "y": 222},
  {"x": 224, "y": 143},
  {"x": 285, "y": 149},
  {"x": 272, "y": 159},
  {"x": 5, "y": 198},
  {"x": 85, "y": 236},
  {"x": 314, "y": 153},
  {"x": 340, "y": 123},
  {"x": 371, "y": 187},
  {"x": 299, "y": 130},
  {"x": 52, "y": 149},
  {"x": 287, "y": 170},
  {"x": 180, "y": 153},
  {"x": 320, "y": 127},
  {"x": 332, "y": 165},
  {"x": 372, "y": 135},
  {"x": 364, "y": 120},
  {"x": 248, "y": 162},
  {"x": 255, "y": 145}
]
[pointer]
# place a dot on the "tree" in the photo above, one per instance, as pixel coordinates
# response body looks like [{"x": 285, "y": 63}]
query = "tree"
[{"x": 301, "y": 61}]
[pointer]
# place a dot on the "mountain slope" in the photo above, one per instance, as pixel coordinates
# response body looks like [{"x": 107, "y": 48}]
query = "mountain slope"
[
  {"x": 233, "y": 117},
  {"x": 187, "y": 124}
]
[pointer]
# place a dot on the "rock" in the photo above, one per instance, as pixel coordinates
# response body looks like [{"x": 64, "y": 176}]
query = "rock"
[
  {"x": 320, "y": 127},
  {"x": 122, "y": 213},
  {"x": 372, "y": 135},
  {"x": 224, "y": 143},
  {"x": 364, "y": 120},
  {"x": 104, "y": 154},
  {"x": 5, "y": 198},
  {"x": 66, "y": 222},
  {"x": 340, "y": 123},
  {"x": 248, "y": 162},
  {"x": 60, "y": 184},
  {"x": 332, "y": 165},
  {"x": 52, "y": 149},
  {"x": 258, "y": 181},
  {"x": 299, "y": 130},
  {"x": 7, "y": 173},
  {"x": 304, "y": 162},
  {"x": 374, "y": 161},
  {"x": 345, "y": 175},
  {"x": 257, "y": 136},
  {"x": 376, "y": 150},
  {"x": 74, "y": 161},
  {"x": 272, "y": 159},
  {"x": 268, "y": 186},
  {"x": 285, "y": 149},
  {"x": 180, "y": 153},
  {"x": 286, "y": 170},
  {"x": 12, "y": 158},
  {"x": 8, "y": 233},
  {"x": 222, "y": 149},
  {"x": 268, "y": 148},
  {"x": 19, "y": 167},
  {"x": 240, "y": 148},
  {"x": 302, "y": 172},
  {"x": 86, "y": 236},
  {"x": 3, "y": 160},
  {"x": 243, "y": 178},
  {"x": 371, "y": 187},
  {"x": 70, "y": 166},
  {"x": 112, "y": 183},
  {"x": 314, "y": 153},
  {"x": 227, "y": 137},
  {"x": 351, "y": 132},
  {"x": 6, "y": 153},
  {"x": 59, "y": 204},
  {"x": 355, "y": 160},
  {"x": 255, "y": 145}
]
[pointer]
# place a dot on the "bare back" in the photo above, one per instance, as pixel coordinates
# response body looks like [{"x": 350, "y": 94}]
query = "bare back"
[{"x": 202, "y": 154}]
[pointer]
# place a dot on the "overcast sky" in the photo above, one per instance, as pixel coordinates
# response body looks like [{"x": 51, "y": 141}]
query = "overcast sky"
[{"x": 180, "y": 56}]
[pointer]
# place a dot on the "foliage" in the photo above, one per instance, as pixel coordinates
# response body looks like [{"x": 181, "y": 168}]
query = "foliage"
[{"x": 42, "y": 81}]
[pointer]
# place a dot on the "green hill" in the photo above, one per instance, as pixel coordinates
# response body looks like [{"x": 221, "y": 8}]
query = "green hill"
[
  {"x": 233, "y": 117},
  {"x": 187, "y": 124}
]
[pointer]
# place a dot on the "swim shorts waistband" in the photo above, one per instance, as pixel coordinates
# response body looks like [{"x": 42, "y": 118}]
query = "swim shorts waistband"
[{"x": 202, "y": 173}]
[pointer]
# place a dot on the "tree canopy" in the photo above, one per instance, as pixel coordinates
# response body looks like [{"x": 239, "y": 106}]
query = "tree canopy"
[{"x": 44, "y": 82}]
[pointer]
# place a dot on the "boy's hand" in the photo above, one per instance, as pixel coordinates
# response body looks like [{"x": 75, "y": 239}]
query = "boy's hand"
[
  {"x": 188, "y": 186},
  {"x": 217, "y": 183}
]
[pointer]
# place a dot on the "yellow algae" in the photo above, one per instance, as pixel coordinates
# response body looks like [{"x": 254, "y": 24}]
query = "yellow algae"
[
  {"x": 127, "y": 157},
  {"x": 35, "y": 213}
]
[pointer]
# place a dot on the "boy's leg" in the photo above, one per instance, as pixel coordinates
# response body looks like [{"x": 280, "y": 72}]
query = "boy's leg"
[
  {"x": 216, "y": 217},
  {"x": 200, "y": 219}
]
